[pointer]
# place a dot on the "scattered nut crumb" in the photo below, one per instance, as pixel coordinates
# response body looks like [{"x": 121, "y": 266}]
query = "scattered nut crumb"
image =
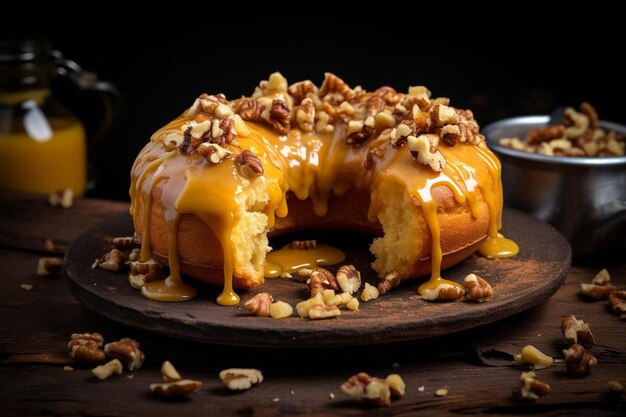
[
  {"x": 578, "y": 361},
  {"x": 397, "y": 387},
  {"x": 596, "y": 292},
  {"x": 478, "y": 289},
  {"x": 421, "y": 388},
  {"x": 85, "y": 347},
  {"x": 68, "y": 368},
  {"x": 62, "y": 198},
  {"x": 348, "y": 279},
  {"x": 126, "y": 350},
  {"x": 49, "y": 266},
  {"x": 369, "y": 293},
  {"x": 323, "y": 312},
  {"x": 532, "y": 388},
  {"x": 280, "y": 310},
  {"x": 441, "y": 392},
  {"x": 26, "y": 287},
  {"x": 238, "y": 379},
  {"x": 276, "y": 399},
  {"x": 444, "y": 292},
  {"x": 327, "y": 296},
  {"x": 177, "y": 388},
  {"x": 285, "y": 275},
  {"x": 353, "y": 304},
  {"x": 367, "y": 389},
  {"x": 603, "y": 277},
  {"x": 618, "y": 303},
  {"x": 169, "y": 373},
  {"x": 331, "y": 396},
  {"x": 615, "y": 386},
  {"x": 48, "y": 245},
  {"x": 103, "y": 372},
  {"x": 533, "y": 356},
  {"x": 304, "y": 244},
  {"x": 259, "y": 305},
  {"x": 395, "y": 365},
  {"x": 304, "y": 307},
  {"x": 577, "y": 331}
]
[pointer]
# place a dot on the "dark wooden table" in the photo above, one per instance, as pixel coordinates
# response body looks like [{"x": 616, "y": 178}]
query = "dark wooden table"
[{"x": 475, "y": 365}]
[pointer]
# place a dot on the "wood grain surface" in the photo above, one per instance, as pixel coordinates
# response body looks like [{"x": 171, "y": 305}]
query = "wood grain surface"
[
  {"x": 519, "y": 283},
  {"x": 476, "y": 365}
]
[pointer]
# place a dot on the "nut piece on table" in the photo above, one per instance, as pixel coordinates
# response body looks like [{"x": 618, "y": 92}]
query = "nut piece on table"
[
  {"x": 177, "y": 388},
  {"x": 532, "y": 388},
  {"x": 238, "y": 379},
  {"x": 304, "y": 244},
  {"x": 578, "y": 361},
  {"x": 48, "y": 245},
  {"x": 618, "y": 303},
  {"x": 328, "y": 296},
  {"x": 125, "y": 243},
  {"x": 169, "y": 373},
  {"x": 441, "y": 392},
  {"x": 259, "y": 305},
  {"x": 152, "y": 269},
  {"x": 533, "y": 356},
  {"x": 596, "y": 292},
  {"x": 477, "y": 288},
  {"x": 602, "y": 278},
  {"x": 322, "y": 279},
  {"x": 577, "y": 331},
  {"x": 369, "y": 293},
  {"x": 353, "y": 304},
  {"x": 349, "y": 279},
  {"x": 102, "y": 372},
  {"x": 114, "y": 261},
  {"x": 280, "y": 310},
  {"x": 49, "y": 266},
  {"x": 391, "y": 280},
  {"x": 323, "y": 312},
  {"x": 444, "y": 292},
  {"x": 85, "y": 347},
  {"x": 127, "y": 351},
  {"x": 397, "y": 387},
  {"x": 340, "y": 299},
  {"x": 366, "y": 389},
  {"x": 615, "y": 386},
  {"x": 62, "y": 198}
]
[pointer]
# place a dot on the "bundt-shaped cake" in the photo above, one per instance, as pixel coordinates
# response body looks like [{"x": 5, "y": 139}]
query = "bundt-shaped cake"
[{"x": 211, "y": 185}]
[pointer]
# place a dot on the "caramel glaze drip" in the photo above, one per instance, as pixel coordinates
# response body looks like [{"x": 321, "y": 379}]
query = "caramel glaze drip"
[{"x": 313, "y": 166}]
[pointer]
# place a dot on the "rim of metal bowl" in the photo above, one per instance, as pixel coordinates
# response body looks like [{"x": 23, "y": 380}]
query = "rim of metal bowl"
[{"x": 543, "y": 119}]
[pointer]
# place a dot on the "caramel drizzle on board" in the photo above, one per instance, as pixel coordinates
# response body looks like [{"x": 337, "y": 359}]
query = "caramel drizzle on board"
[{"x": 313, "y": 166}]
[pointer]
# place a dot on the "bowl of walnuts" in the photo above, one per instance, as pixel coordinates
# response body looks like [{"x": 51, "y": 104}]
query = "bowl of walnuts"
[{"x": 568, "y": 169}]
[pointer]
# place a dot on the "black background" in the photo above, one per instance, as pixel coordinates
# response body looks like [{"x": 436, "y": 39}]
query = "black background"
[{"x": 496, "y": 72}]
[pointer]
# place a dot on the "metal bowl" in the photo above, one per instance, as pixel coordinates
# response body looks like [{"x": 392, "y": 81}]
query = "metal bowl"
[{"x": 583, "y": 197}]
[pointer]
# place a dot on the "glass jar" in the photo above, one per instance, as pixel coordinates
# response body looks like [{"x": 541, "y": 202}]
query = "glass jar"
[{"x": 42, "y": 145}]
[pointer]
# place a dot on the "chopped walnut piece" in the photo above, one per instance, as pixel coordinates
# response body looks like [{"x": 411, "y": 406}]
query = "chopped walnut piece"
[
  {"x": 444, "y": 292},
  {"x": 151, "y": 269},
  {"x": 426, "y": 154},
  {"x": 366, "y": 389},
  {"x": 322, "y": 279},
  {"x": 603, "y": 277},
  {"x": 596, "y": 292},
  {"x": 259, "y": 305},
  {"x": 177, "y": 388},
  {"x": 280, "y": 310},
  {"x": 577, "y": 331},
  {"x": 369, "y": 293},
  {"x": 532, "y": 388},
  {"x": 396, "y": 384},
  {"x": 278, "y": 115},
  {"x": 578, "y": 361},
  {"x": 304, "y": 244},
  {"x": 49, "y": 266},
  {"x": 213, "y": 152},
  {"x": 334, "y": 84},
  {"x": 450, "y": 135},
  {"x": 441, "y": 392},
  {"x": 250, "y": 165},
  {"x": 618, "y": 303},
  {"x": 477, "y": 288},
  {"x": 375, "y": 105},
  {"x": 545, "y": 134},
  {"x": 305, "y": 115},
  {"x": 441, "y": 115},
  {"x": 85, "y": 347},
  {"x": 62, "y": 198},
  {"x": 238, "y": 379},
  {"x": 578, "y": 123},
  {"x": 115, "y": 260},
  {"x": 320, "y": 312},
  {"x": 348, "y": 279},
  {"x": 125, "y": 243},
  {"x": 533, "y": 356},
  {"x": 391, "y": 280},
  {"x": 301, "y": 90},
  {"x": 303, "y": 308},
  {"x": 249, "y": 109},
  {"x": 615, "y": 386},
  {"x": 48, "y": 245},
  {"x": 126, "y": 350},
  {"x": 110, "y": 368},
  {"x": 169, "y": 373}
]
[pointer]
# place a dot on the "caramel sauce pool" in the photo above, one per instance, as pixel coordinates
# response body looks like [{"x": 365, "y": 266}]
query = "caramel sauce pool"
[{"x": 289, "y": 260}]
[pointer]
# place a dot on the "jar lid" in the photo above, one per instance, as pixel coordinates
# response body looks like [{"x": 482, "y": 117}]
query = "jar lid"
[{"x": 24, "y": 48}]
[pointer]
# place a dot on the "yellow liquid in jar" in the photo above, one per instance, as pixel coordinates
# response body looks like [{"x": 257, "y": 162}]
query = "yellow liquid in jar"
[{"x": 46, "y": 166}]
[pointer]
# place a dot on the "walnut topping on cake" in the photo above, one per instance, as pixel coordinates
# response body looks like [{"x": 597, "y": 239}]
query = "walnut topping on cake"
[{"x": 360, "y": 117}]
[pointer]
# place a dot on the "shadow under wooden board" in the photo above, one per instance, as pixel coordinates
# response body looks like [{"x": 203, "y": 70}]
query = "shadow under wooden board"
[{"x": 519, "y": 283}]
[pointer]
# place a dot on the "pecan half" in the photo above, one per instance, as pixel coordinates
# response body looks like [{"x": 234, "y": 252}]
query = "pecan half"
[
  {"x": 577, "y": 331},
  {"x": 176, "y": 389},
  {"x": 391, "y": 280},
  {"x": 127, "y": 351},
  {"x": 249, "y": 109},
  {"x": 259, "y": 305},
  {"x": 278, "y": 116},
  {"x": 301, "y": 90},
  {"x": 85, "y": 347},
  {"x": 618, "y": 303},
  {"x": 322, "y": 279},
  {"x": 367, "y": 389},
  {"x": 444, "y": 292},
  {"x": 348, "y": 279},
  {"x": 249, "y": 163},
  {"x": 477, "y": 288},
  {"x": 578, "y": 361}
]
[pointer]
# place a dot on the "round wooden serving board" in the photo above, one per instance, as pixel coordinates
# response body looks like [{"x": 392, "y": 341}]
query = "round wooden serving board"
[{"x": 519, "y": 283}]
